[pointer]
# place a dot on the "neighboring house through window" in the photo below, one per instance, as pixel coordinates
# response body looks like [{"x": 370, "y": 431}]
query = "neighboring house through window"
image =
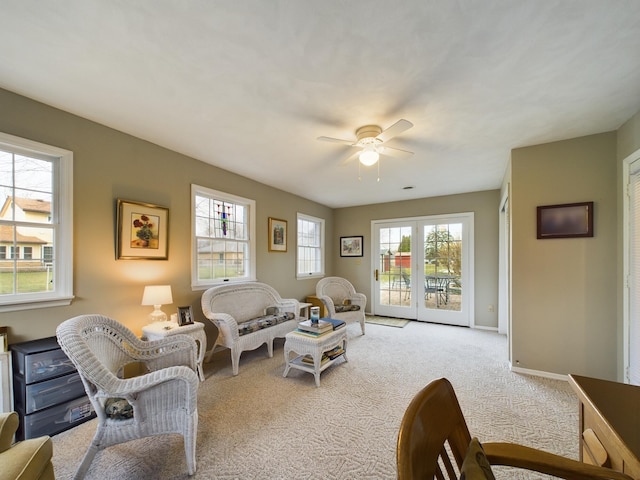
[
  {"x": 223, "y": 238},
  {"x": 36, "y": 224},
  {"x": 310, "y": 248}
]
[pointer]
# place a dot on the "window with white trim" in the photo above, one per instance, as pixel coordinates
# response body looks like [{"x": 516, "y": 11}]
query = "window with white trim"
[
  {"x": 36, "y": 216},
  {"x": 223, "y": 238},
  {"x": 310, "y": 248}
]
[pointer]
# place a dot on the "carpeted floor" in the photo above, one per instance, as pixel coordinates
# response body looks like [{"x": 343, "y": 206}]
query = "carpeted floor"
[
  {"x": 386, "y": 321},
  {"x": 260, "y": 425}
]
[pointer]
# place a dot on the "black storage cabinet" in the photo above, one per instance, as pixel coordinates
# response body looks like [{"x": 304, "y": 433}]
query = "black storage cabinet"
[{"x": 48, "y": 394}]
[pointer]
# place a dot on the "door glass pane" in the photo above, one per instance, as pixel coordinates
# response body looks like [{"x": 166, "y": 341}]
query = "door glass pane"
[
  {"x": 443, "y": 266},
  {"x": 395, "y": 266}
]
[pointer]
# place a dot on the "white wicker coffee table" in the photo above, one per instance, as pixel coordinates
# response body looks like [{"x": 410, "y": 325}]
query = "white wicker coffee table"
[{"x": 303, "y": 345}]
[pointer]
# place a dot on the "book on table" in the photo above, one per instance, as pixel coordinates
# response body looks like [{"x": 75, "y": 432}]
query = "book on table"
[
  {"x": 320, "y": 327},
  {"x": 308, "y": 359},
  {"x": 335, "y": 323},
  {"x": 306, "y": 333},
  {"x": 334, "y": 352}
]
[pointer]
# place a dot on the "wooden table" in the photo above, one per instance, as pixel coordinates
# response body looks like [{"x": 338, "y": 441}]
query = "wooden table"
[{"x": 610, "y": 419}]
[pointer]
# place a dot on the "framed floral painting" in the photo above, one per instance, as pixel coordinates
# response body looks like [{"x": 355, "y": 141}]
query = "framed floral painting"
[{"x": 143, "y": 231}]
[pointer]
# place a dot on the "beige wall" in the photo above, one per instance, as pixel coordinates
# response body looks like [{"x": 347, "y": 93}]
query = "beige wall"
[
  {"x": 564, "y": 291},
  {"x": 357, "y": 221},
  {"x": 109, "y": 165}
]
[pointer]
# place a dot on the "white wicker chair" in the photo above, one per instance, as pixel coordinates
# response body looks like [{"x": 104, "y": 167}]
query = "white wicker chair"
[
  {"x": 338, "y": 293},
  {"x": 164, "y": 399},
  {"x": 229, "y": 306}
]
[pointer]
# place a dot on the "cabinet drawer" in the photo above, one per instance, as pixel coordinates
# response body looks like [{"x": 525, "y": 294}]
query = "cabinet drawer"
[
  {"x": 59, "y": 418},
  {"x": 38, "y": 396},
  {"x": 40, "y": 360}
]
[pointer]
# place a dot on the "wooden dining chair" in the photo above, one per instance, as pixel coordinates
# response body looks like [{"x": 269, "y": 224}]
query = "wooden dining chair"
[{"x": 434, "y": 442}]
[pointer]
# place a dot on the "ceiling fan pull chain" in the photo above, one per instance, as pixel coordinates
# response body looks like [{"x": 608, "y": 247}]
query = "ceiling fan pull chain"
[{"x": 379, "y": 170}]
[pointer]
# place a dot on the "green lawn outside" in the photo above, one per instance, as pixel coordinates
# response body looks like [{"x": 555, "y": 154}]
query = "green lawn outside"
[{"x": 28, "y": 282}]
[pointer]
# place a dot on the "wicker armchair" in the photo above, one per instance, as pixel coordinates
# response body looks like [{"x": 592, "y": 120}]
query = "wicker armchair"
[
  {"x": 342, "y": 300},
  {"x": 160, "y": 401}
]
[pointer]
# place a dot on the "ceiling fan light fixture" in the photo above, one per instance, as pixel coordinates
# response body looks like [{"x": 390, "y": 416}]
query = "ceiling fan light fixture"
[{"x": 369, "y": 156}]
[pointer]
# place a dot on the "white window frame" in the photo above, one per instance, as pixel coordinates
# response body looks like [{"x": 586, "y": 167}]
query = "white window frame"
[
  {"x": 250, "y": 205},
  {"x": 320, "y": 222},
  {"x": 62, "y": 223}
]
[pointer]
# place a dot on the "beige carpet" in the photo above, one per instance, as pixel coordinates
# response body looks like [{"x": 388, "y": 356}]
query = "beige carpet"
[{"x": 260, "y": 425}]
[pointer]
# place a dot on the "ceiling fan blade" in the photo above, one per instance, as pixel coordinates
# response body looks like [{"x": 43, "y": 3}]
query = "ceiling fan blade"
[
  {"x": 336, "y": 140},
  {"x": 351, "y": 157},
  {"x": 395, "y": 129},
  {"x": 395, "y": 152}
]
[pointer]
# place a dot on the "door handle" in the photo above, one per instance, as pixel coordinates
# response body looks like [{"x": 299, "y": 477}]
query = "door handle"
[{"x": 376, "y": 274}]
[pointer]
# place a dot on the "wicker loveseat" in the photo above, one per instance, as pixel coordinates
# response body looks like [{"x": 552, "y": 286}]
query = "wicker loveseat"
[{"x": 248, "y": 315}]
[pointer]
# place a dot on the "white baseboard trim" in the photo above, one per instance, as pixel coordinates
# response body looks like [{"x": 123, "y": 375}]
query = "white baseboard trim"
[
  {"x": 481, "y": 327},
  {"x": 538, "y": 373}
]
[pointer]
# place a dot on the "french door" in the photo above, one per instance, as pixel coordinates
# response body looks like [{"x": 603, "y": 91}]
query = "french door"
[{"x": 423, "y": 268}]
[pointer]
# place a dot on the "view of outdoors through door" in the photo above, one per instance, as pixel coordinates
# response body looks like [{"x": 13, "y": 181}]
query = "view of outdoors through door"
[
  {"x": 423, "y": 268},
  {"x": 394, "y": 281},
  {"x": 443, "y": 266}
]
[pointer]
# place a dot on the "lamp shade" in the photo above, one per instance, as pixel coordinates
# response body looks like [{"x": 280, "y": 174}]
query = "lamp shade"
[{"x": 157, "y": 295}]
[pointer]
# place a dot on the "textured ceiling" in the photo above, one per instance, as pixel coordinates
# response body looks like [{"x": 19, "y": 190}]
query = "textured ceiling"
[{"x": 248, "y": 86}]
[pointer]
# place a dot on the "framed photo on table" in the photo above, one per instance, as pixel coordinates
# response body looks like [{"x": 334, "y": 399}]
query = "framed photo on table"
[
  {"x": 569, "y": 220},
  {"x": 351, "y": 246},
  {"x": 143, "y": 231},
  {"x": 185, "y": 315},
  {"x": 277, "y": 235}
]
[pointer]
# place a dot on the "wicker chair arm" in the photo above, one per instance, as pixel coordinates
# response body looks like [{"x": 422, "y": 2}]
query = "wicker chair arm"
[
  {"x": 171, "y": 351},
  {"x": 328, "y": 302},
  {"x": 359, "y": 299},
  {"x": 520, "y": 456},
  {"x": 130, "y": 387},
  {"x": 227, "y": 325}
]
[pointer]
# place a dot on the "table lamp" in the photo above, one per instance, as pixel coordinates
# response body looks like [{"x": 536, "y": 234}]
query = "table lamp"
[{"x": 157, "y": 295}]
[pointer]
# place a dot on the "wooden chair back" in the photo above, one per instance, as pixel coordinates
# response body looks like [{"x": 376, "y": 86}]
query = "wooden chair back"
[{"x": 434, "y": 436}]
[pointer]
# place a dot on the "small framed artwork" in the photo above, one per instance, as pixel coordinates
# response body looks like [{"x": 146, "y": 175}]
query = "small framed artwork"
[
  {"x": 143, "y": 231},
  {"x": 185, "y": 315},
  {"x": 277, "y": 235},
  {"x": 351, "y": 246},
  {"x": 569, "y": 220}
]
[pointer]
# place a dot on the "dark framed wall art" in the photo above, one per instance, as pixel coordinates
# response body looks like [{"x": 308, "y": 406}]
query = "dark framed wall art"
[
  {"x": 569, "y": 220},
  {"x": 351, "y": 246}
]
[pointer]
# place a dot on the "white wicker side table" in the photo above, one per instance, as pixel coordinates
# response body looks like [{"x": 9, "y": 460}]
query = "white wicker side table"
[
  {"x": 158, "y": 330},
  {"x": 304, "y": 345}
]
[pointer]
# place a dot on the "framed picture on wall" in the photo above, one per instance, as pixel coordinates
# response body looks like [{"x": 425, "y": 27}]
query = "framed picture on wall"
[
  {"x": 351, "y": 246},
  {"x": 569, "y": 220},
  {"x": 277, "y": 235},
  {"x": 143, "y": 231}
]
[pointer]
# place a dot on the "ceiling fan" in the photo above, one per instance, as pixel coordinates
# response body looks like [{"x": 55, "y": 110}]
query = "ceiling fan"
[{"x": 371, "y": 139}]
